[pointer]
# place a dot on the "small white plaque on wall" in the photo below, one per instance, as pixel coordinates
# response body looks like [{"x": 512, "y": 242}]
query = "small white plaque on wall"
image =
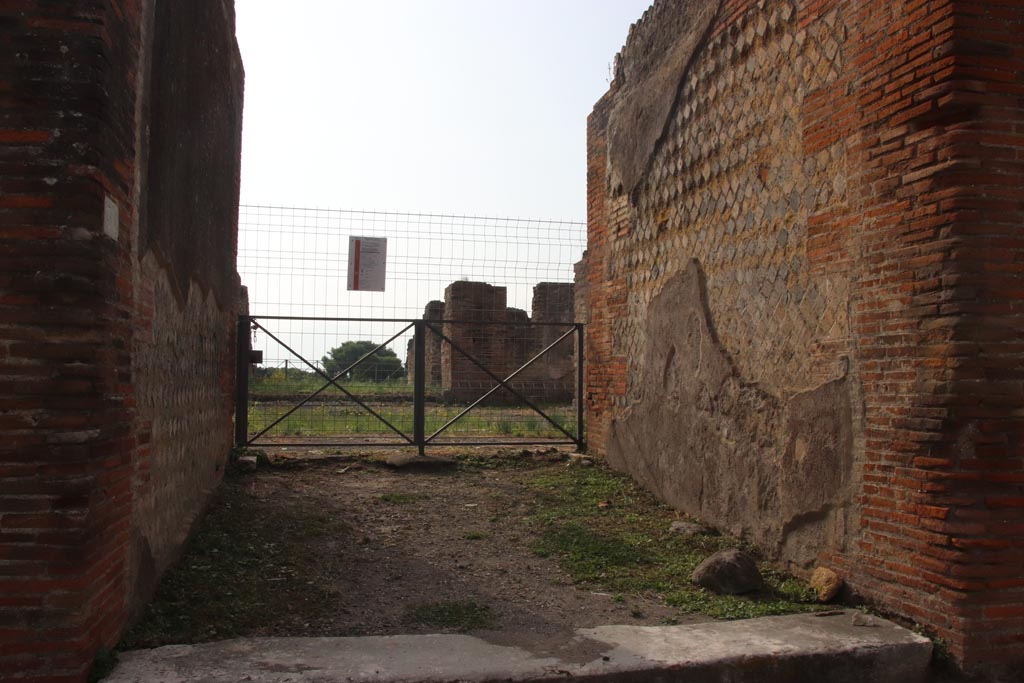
[
  {"x": 367, "y": 263},
  {"x": 111, "y": 217}
]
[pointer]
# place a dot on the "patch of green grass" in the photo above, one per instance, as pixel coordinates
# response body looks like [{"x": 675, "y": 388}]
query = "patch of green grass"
[
  {"x": 247, "y": 571},
  {"x": 456, "y": 615},
  {"x": 610, "y": 534},
  {"x": 333, "y": 414},
  {"x": 765, "y": 603},
  {"x": 476, "y": 535},
  {"x": 401, "y": 498},
  {"x": 590, "y": 555}
]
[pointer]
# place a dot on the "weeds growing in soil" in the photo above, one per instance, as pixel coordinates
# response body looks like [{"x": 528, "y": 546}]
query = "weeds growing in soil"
[
  {"x": 256, "y": 569},
  {"x": 610, "y": 534},
  {"x": 240, "y": 568}
]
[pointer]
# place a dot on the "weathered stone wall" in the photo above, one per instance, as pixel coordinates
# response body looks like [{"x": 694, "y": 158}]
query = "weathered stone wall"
[
  {"x": 732, "y": 187},
  {"x": 115, "y": 353},
  {"x": 799, "y": 254},
  {"x": 186, "y": 285}
]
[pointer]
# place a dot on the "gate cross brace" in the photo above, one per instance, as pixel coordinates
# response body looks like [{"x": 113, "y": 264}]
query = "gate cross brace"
[
  {"x": 501, "y": 383},
  {"x": 331, "y": 381}
]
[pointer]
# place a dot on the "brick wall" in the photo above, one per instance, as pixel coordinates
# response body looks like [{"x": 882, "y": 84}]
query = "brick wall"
[
  {"x": 829, "y": 206},
  {"x": 605, "y": 369},
  {"x": 114, "y": 363}
]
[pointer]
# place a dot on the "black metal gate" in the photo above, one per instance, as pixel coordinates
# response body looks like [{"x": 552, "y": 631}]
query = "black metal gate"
[{"x": 480, "y": 382}]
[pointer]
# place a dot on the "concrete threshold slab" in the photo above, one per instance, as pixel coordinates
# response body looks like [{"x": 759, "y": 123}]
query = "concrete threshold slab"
[{"x": 838, "y": 647}]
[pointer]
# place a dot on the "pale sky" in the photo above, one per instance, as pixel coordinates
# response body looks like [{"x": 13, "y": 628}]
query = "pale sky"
[{"x": 473, "y": 107}]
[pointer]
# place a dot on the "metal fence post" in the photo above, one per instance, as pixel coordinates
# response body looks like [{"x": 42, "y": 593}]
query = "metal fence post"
[
  {"x": 581, "y": 443},
  {"x": 419, "y": 385},
  {"x": 242, "y": 348}
]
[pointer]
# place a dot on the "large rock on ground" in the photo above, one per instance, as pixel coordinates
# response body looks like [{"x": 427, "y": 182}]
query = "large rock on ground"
[{"x": 729, "y": 571}]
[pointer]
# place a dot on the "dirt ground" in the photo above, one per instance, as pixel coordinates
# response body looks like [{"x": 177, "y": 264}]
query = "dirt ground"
[
  {"x": 516, "y": 546},
  {"x": 513, "y": 547},
  {"x": 438, "y": 535},
  {"x": 338, "y": 546}
]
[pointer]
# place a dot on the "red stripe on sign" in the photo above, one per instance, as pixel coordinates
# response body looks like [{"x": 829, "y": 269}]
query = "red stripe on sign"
[{"x": 355, "y": 269}]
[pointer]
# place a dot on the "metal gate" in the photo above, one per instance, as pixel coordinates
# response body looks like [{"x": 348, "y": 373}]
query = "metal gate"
[{"x": 463, "y": 382}]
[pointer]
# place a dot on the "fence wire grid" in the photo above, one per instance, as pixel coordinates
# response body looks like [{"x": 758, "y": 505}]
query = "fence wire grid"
[{"x": 294, "y": 262}]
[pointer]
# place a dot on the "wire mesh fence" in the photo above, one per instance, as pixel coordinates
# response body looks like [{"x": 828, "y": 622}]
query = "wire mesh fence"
[{"x": 497, "y": 293}]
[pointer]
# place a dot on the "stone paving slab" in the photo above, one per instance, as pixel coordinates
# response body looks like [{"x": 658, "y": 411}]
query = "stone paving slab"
[{"x": 839, "y": 647}]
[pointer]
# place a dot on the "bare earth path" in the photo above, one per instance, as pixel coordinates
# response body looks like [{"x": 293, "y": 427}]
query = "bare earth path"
[
  {"x": 348, "y": 546},
  {"x": 490, "y": 545},
  {"x": 450, "y": 537}
]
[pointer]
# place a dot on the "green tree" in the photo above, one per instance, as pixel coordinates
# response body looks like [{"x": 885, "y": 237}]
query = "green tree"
[{"x": 382, "y": 365}]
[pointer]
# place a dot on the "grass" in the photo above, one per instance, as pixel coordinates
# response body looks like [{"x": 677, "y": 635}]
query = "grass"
[
  {"x": 240, "y": 567},
  {"x": 457, "y": 615},
  {"x": 611, "y": 535},
  {"x": 301, "y": 384},
  {"x": 344, "y": 418}
]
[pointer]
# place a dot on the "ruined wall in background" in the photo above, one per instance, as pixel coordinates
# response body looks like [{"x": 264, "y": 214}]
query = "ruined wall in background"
[
  {"x": 115, "y": 350},
  {"x": 790, "y": 208},
  {"x": 432, "y": 353},
  {"x": 501, "y": 339},
  {"x": 517, "y": 337},
  {"x": 479, "y": 309},
  {"x": 552, "y": 377}
]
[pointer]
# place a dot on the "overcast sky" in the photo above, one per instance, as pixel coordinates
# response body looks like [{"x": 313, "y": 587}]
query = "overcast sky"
[{"x": 473, "y": 107}]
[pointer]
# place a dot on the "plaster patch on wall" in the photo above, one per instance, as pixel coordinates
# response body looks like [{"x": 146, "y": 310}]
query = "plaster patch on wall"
[
  {"x": 648, "y": 73},
  {"x": 714, "y": 444}
]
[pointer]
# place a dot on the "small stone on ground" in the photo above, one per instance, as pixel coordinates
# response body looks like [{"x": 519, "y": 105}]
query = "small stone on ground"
[
  {"x": 825, "y": 583},
  {"x": 247, "y": 464},
  {"x": 419, "y": 462}
]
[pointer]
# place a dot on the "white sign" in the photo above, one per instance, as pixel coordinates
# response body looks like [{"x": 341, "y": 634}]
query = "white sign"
[{"x": 367, "y": 263}]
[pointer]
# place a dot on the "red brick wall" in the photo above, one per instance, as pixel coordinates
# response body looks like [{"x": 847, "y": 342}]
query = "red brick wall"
[
  {"x": 937, "y": 320},
  {"x": 983, "y": 473},
  {"x": 605, "y": 369},
  {"x": 925, "y": 106},
  {"x": 74, "y": 436}
]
